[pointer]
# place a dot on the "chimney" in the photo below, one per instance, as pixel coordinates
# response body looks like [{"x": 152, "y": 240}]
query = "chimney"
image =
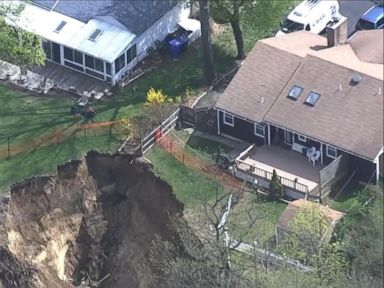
[{"x": 337, "y": 33}]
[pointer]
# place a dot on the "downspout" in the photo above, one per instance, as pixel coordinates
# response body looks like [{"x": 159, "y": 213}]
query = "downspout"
[{"x": 218, "y": 122}]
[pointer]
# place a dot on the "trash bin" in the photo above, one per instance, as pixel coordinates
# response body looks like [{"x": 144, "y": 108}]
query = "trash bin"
[
  {"x": 175, "y": 47},
  {"x": 183, "y": 38}
]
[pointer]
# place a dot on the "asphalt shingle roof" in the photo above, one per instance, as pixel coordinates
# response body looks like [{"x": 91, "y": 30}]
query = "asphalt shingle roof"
[
  {"x": 350, "y": 118},
  {"x": 258, "y": 82},
  {"x": 135, "y": 15}
]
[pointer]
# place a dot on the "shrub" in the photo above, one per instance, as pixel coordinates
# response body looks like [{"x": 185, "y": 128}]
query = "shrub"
[{"x": 275, "y": 189}]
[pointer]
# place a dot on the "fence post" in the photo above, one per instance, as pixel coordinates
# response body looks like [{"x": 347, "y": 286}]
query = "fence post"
[
  {"x": 57, "y": 136},
  {"x": 183, "y": 158},
  {"x": 171, "y": 142}
]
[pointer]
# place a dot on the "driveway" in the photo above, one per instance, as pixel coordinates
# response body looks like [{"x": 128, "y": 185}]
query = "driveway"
[{"x": 353, "y": 9}]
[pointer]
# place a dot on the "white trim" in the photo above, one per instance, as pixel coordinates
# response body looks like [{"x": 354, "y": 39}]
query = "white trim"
[
  {"x": 228, "y": 123},
  {"x": 377, "y": 171},
  {"x": 378, "y": 154},
  {"x": 329, "y": 155},
  {"x": 302, "y": 138},
  {"x": 255, "y": 126},
  {"x": 218, "y": 121},
  {"x": 321, "y": 155}
]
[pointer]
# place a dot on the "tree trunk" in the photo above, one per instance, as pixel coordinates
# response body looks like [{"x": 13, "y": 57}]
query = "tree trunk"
[
  {"x": 209, "y": 72},
  {"x": 235, "y": 24}
]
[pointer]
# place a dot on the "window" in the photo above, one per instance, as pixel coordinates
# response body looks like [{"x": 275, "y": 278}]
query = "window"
[
  {"x": 73, "y": 55},
  {"x": 96, "y": 34},
  {"x": 119, "y": 63},
  {"x": 295, "y": 92},
  {"x": 108, "y": 68},
  {"x": 68, "y": 53},
  {"x": 94, "y": 63},
  {"x": 331, "y": 151},
  {"x": 259, "y": 130},
  {"x": 47, "y": 49},
  {"x": 302, "y": 138},
  {"x": 131, "y": 53},
  {"x": 312, "y": 98},
  {"x": 78, "y": 57},
  {"x": 60, "y": 26},
  {"x": 229, "y": 119}
]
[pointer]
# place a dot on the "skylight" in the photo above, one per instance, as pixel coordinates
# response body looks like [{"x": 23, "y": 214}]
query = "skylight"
[
  {"x": 96, "y": 34},
  {"x": 60, "y": 26},
  {"x": 295, "y": 92},
  {"x": 312, "y": 98}
]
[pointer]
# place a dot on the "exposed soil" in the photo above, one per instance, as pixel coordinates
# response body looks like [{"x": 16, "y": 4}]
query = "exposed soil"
[{"x": 95, "y": 220}]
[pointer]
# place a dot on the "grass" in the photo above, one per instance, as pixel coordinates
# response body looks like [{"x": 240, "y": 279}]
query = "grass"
[
  {"x": 190, "y": 187},
  {"x": 45, "y": 160},
  {"x": 251, "y": 207},
  {"x": 201, "y": 146},
  {"x": 23, "y": 117}
]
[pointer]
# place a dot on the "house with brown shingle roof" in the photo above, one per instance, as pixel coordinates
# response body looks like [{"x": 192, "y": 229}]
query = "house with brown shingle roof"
[{"x": 313, "y": 113}]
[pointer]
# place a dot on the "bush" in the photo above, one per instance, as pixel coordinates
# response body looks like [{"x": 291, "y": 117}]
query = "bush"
[{"x": 275, "y": 188}]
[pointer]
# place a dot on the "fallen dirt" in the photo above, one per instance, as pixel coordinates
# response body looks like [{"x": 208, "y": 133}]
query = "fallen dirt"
[{"x": 95, "y": 220}]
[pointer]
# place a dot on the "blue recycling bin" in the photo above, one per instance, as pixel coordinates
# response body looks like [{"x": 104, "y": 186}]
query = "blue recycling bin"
[
  {"x": 175, "y": 47},
  {"x": 183, "y": 38}
]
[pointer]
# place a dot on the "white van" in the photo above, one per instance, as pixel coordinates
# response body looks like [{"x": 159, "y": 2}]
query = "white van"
[{"x": 310, "y": 15}]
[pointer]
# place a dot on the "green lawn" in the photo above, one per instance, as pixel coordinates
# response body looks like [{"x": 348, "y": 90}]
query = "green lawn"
[
  {"x": 46, "y": 159},
  {"x": 200, "y": 146},
  {"x": 190, "y": 187},
  {"x": 24, "y": 117},
  {"x": 258, "y": 209}
]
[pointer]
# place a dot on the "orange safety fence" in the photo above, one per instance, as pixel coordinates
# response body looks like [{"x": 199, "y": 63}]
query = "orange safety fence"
[
  {"x": 191, "y": 160},
  {"x": 57, "y": 137}
]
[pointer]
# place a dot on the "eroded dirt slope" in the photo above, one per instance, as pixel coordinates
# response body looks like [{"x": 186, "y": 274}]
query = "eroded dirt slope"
[{"x": 94, "y": 220}]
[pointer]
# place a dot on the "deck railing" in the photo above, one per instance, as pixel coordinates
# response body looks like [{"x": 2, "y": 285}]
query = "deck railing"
[{"x": 255, "y": 171}]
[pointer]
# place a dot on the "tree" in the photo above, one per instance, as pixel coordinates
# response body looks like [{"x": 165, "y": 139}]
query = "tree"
[
  {"x": 275, "y": 188},
  {"x": 306, "y": 242},
  {"x": 158, "y": 104},
  {"x": 18, "y": 46},
  {"x": 362, "y": 232},
  {"x": 209, "y": 71},
  {"x": 231, "y": 11}
]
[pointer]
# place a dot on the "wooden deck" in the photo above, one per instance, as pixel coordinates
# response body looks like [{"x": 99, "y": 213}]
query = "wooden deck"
[
  {"x": 42, "y": 79},
  {"x": 287, "y": 163},
  {"x": 69, "y": 80}
]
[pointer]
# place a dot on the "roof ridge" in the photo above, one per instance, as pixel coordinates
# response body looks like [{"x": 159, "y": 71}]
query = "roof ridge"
[{"x": 342, "y": 66}]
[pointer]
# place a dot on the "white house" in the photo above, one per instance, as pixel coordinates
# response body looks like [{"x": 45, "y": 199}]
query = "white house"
[{"x": 103, "y": 39}]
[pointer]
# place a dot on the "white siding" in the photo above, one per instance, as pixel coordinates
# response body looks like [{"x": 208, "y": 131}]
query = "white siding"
[{"x": 158, "y": 31}]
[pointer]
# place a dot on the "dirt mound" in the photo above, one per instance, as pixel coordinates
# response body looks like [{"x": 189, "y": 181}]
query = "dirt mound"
[{"x": 94, "y": 220}]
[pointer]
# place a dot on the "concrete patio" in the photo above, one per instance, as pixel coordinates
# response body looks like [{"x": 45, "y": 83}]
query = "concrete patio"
[
  {"x": 287, "y": 163},
  {"x": 42, "y": 79}
]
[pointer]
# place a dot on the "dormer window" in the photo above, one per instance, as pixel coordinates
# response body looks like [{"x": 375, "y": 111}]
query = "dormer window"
[
  {"x": 96, "y": 34},
  {"x": 295, "y": 92},
  {"x": 60, "y": 26}
]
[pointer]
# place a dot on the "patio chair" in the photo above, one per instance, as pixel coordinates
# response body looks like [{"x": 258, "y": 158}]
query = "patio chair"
[
  {"x": 315, "y": 157},
  {"x": 310, "y": 153}
]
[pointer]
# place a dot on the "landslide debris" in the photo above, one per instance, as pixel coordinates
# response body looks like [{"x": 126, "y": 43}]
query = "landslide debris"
[{"x": 91, "y": 225}]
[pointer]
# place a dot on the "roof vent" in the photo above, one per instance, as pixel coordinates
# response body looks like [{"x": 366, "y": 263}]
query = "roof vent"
[{"x": 356, "y": 79}]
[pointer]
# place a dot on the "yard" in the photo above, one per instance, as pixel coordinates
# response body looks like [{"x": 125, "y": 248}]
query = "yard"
[
  {"x": 24, "y": 117},
  {"x": 253, "y": 218}
]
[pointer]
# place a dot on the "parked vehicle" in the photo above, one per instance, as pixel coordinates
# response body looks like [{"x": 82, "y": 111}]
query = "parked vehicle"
[
  {"x": 311, "y": 15},
  {"x": 373, "y": 18}
]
